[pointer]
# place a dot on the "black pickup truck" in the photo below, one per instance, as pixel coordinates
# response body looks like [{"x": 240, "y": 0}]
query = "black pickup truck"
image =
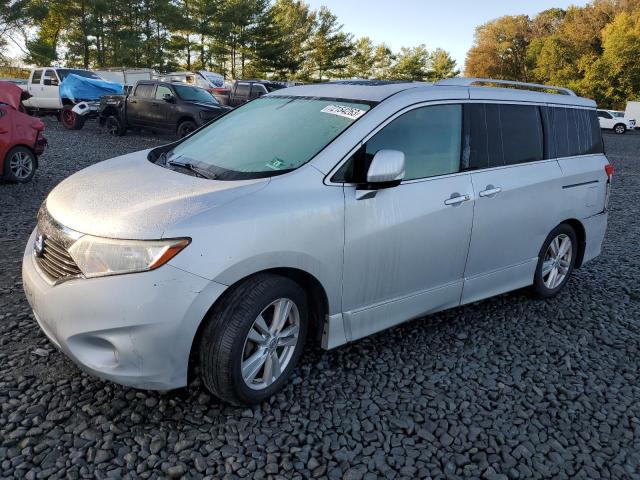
[
  {"x": 244, "y": 90},
  {"x": 155, "y": 105}
]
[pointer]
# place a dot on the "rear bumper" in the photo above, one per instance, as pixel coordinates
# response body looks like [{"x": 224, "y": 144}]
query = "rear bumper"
[{"x": 595, "y": 228}]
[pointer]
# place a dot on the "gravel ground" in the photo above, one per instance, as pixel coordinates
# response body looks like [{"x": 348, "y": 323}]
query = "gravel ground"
[{"x": 504, "y": 388}]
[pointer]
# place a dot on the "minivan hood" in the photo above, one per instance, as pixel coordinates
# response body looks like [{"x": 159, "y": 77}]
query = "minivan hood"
[{"x": 130, "y": 197}]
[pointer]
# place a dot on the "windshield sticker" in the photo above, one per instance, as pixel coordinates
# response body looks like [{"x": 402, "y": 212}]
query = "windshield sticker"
[
  {"x": 342, "y": 111},
  {"x": 275, "y": 164}
]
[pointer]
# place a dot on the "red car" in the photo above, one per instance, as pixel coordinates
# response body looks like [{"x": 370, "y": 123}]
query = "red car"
[{"x": 21, "y": 138}]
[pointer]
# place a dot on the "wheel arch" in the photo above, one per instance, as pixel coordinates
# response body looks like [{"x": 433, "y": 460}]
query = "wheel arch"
[
  {"x": 318, "y": 302},
  {"x": 581, "y": 234}
]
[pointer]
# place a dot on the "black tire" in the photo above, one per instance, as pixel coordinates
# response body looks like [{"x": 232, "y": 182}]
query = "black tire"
[
  {"x": 223, "y": 340},
  {"x": 185, "y": 128},
  {"x": 71, "y": 120},
  {"x": 114, "y": 126},
  {"x": 542, "y": 289},
  {"x": 14, "y": 172},
  {"x": 620, "y": 128}
]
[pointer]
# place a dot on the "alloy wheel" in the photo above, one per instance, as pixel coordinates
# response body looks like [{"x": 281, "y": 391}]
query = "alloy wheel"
[
  {"x": 557, "y": 261},
  {"x": 270, "y": 344},
  {"x": 620, "y": 129},
  {"x": 21, "y": 165}
]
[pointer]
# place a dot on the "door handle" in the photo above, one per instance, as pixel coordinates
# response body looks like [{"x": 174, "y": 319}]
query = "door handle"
[
  {"x": 457, "y": 199},
  {"x": 490, "y": 191}
]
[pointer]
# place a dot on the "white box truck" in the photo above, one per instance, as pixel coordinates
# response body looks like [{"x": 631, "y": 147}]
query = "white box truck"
[{"x": 632, "y": 112}]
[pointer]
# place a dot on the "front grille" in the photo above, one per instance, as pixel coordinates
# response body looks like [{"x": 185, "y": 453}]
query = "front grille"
[
  {"x": 53, "y": 255},
  {"x": 56, "y": 261}
]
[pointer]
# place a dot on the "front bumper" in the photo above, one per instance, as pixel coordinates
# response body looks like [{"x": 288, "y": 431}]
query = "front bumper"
[{"x": 136, "y": 329}]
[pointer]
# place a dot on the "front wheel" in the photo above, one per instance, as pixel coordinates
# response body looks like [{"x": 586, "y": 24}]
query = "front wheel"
[
  {"x": 185, "y": 128},
  {"x": 253, "y": 339},
  {"x": 114, "y": 126},
  {"x": 20, "y": 165},
  {"x": 71, "y": 120},
  {"x": 555, "y": 261},
  {"x": 620, "y": 129}
]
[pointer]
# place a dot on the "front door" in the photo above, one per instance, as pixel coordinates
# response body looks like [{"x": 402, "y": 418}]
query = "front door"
[
  {"x": 516, "y": 195},
  {"x": 161, "y": 109},
  {"x": 51, "y": 90},
  {"x": 405, "y": 248}
]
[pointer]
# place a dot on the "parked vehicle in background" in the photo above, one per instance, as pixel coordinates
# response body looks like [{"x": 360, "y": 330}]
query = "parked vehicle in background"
[
  {"x": 244, "y": 90},
  {"x": 76, "y": 103},
  {"x": 126, "y": 76},
  {"x": 609, "y": 120},
  {"x": 21, "y": 137},
  {"x": 329, "y": 212},
  {"x": 156, "y": 105},
  {"x": 21, "y": 82},
  {"x": 212, "y": 82},
  {"x": 632, "y": 112}
]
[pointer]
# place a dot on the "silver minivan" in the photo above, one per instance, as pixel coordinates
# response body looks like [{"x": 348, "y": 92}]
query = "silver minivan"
[{"x": 318, "y": 213}]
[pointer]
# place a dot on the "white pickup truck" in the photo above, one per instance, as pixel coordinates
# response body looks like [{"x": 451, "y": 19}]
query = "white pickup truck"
[{"x": 44, "y": 87}]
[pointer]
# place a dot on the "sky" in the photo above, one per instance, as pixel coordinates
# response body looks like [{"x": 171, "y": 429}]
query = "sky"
[{"x": 408, "y": 23}]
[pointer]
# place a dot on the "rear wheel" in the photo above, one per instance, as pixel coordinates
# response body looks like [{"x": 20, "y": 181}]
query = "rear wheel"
[
  {"x": 555, "y": 261},
  {"x": 20, "y": 165},
  {"x": 185, "y": 128},
  {"x": 71, "y": 120},
  {"x": 620, "y": 129},
  {"x": 253, "y": 339}
]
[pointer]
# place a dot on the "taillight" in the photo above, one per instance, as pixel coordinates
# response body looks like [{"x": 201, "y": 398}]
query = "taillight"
[{"x": 608, "y": 169}]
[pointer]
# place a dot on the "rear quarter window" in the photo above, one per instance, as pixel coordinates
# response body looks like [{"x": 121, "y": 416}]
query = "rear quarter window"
[{"x": 576, "y": 131}]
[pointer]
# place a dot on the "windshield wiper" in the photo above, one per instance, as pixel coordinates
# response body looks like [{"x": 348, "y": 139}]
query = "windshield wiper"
[{"x": 201, "y": 172}]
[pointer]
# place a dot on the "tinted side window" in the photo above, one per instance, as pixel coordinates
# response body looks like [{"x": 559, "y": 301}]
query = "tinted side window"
[
  {"x": 498, "y": 135},
  {"x": 162, "y": 91},
  {"x": 606, "y": 115},
  {"x": 242, "y": 89},
  {"x": 430, "y": 138},
  {"x": 576, "y": 131},
  {"x": 144, "y": 90},
  {"x": 37, "y": 75},
  {"x": 51, "y": 75}
]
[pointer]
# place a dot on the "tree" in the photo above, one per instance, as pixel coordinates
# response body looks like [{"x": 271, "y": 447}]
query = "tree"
[
  {"x": 411, "y": 64},
  {"x": 500, "y": 49},
  {"x": 441, "y": 66},
  {"x": 329, "y": 46},
  {"x": 383, "y": 59},
  {"x": 362, "y": 60},
  {"x": 294, "y": 22}
]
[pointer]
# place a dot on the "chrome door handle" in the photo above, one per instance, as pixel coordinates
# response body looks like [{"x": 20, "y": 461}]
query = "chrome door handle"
[
  {"x": 457, "y": 200},
  {"x": 490, "y": 191}
]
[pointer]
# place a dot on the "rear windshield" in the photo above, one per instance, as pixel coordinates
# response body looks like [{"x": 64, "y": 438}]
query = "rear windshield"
[
  {"x": 63, "y": 72},
  {"x": 194, "y": 94},
  {"x": 268, "y": 136}
]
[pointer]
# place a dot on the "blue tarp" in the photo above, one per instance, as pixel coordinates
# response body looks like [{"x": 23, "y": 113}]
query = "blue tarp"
[{"x": 79, "y": 88}]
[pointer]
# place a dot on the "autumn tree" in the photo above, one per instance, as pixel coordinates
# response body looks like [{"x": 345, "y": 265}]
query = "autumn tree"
[{"x": 500, "y": 49}]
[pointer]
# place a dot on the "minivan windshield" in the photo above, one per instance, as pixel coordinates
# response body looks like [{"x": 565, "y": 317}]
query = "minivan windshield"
[
  {"x": 194, "y": 94},
  {"x": 266, "y": 137}
]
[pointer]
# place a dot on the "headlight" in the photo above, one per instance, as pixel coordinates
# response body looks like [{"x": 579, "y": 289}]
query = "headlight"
[{"x": 97, "y": 257}]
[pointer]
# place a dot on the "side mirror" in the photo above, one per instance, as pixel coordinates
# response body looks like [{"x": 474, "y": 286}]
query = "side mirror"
[
  {"x": 46, "y": 81},
  {"x": 167, "y": 97},
  {"x": 386, "y": 170}
]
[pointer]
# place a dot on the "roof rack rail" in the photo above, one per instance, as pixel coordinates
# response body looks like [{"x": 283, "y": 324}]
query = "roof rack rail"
[{"x": 467, "y": 82}]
